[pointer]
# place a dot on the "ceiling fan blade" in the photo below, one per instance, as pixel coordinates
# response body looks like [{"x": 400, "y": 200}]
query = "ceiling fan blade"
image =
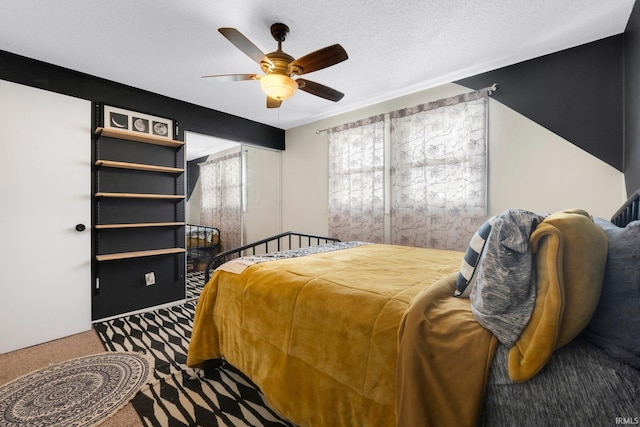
[
  {"x": 232, "y": 77},
  {"x": 273, "y": 103},
  {"x": 244, "y": 44},
  {"x": 319, "y": 90},
  {"x": 319, "y": 59}
]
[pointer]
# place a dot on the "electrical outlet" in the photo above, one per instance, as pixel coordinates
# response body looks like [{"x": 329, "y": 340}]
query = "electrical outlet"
[{"x": 150, "y": 278}]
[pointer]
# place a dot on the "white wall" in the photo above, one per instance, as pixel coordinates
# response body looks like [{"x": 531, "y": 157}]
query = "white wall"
[
  {"x": 192, "y": 207},
  {"x": 529, "y": 166},
  {"x": 532, "y": 168}
]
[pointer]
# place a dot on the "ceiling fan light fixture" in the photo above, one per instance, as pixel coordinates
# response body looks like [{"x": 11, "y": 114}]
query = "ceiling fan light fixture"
[
  {"x": 278, "y": 86},
  {"x": 279, "y": 67}
]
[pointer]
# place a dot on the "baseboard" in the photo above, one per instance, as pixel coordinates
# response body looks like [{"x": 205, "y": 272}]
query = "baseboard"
[{"x": 143, "y": 310}]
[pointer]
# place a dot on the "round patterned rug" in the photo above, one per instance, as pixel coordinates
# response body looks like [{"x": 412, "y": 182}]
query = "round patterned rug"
[{"x": 78, "y": 392}]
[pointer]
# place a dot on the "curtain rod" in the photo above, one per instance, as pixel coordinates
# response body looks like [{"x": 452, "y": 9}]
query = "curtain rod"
[{"x": 490, "y": 89}]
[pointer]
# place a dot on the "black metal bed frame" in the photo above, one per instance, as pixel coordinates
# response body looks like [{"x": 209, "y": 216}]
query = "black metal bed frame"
[
  {"x": 202, "y": 249},
  {"x": 628, "y": 212},
  {"x": 282, "y": 241}
]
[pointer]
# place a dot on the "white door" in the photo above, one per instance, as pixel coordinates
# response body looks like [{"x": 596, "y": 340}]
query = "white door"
[{"x": 45, "y": 188}]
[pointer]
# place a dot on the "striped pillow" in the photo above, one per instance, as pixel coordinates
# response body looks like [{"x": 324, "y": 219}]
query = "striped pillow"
[{"x": 471, "y": 258}]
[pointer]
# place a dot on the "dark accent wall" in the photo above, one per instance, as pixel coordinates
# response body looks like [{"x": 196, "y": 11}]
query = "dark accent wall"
[
  {"x": 632, "y": 102},
  {"x": 29, "y": 72},
  {"x": 121, "y": 287},
  {"x": 193, "y": 173},
  {"x": 576, "y": 93}
]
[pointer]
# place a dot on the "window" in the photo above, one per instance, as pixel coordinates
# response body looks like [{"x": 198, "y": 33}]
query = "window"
[
  {"x": 437, "y": 170},
  {"x": 356, "y": 181}
]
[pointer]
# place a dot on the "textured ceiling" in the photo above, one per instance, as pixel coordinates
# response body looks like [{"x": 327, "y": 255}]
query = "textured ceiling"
[{"x": 394, "y": 47}]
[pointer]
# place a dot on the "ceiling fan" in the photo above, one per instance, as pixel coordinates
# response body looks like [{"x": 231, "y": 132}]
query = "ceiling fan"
[{"x": 279, "y": 67}]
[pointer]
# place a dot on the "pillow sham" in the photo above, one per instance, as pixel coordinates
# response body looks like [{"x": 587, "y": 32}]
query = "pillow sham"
[
  {"x": 615, "y": 326},
  {"x": 464, "y": 283}
]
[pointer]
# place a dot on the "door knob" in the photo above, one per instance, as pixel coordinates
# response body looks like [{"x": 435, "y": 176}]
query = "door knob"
[{"x": 80, "y": 227}]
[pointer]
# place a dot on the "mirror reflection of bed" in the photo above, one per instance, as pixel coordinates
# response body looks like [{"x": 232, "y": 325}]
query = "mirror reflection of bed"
[{"x": 241, "y": 197}]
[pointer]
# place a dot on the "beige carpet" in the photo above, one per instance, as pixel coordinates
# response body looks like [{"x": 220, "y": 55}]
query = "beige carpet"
[{"x": 20, "y": 362}]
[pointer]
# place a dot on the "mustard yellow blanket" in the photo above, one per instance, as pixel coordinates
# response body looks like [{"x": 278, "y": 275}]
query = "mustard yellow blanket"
[
  {"x": 444, "y": 360},
  {"x": 318, "y": 334}
]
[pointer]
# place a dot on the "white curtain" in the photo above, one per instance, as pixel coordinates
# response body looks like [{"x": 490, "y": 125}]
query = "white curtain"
[
  {"x": 356, "y": 181},
  {"x": 438, "y": 172},
  {"x": 221, "y": 203}
]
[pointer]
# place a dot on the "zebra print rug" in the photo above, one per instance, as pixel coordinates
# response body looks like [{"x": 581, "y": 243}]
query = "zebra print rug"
[{"x": 180, "y": 396}]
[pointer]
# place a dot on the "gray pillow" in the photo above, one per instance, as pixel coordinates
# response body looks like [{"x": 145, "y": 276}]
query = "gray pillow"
[{"x": 615, "y": 325}]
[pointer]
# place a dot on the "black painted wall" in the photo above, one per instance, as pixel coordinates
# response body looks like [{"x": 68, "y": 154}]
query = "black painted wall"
[
  {"x": 193, "y": 173},
  {"x": 121, "y": 282},
  {"x": 576, "y": 93},
  {"x": 29, "y": 72},
  {"x": 632, "y": 102}
]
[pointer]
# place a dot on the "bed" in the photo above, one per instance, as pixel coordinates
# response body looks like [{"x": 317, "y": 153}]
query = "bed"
[
  {"x": 202, "y": 243},
  {"x": 358, "y": 334}
]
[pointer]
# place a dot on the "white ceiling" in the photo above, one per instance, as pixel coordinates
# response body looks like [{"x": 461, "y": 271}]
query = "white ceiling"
[{"x": 395, "y": 47}]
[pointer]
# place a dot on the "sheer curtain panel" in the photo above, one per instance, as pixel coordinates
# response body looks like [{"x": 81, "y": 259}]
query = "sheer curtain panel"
[
  {"x": 438, "y": 172},
  {"x": 356, "y": 180},
  {"x": 221, "y": 204}
]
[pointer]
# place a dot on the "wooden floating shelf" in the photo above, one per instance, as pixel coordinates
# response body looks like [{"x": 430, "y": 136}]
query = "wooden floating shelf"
[
  {"x": 137, "y": 166},
  {"x": 139, "y": 254},
  {"x": 138, "y": 137},
  {"x": 139, "y": 225},
  {"x": 140, "y": 196}
]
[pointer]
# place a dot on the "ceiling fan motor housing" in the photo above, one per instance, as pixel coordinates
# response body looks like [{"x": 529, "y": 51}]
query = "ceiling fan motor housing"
[
  {"x": 279, "y": 60},
  {"x": 279, "y": 63}
]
